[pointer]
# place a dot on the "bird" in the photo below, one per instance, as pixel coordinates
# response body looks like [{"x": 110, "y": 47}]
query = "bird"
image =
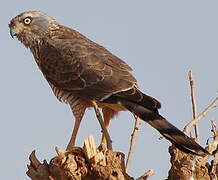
[{"x": 80, "y": 72}]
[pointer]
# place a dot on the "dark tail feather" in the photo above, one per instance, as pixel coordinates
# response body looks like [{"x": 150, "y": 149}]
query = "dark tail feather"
[{"x": 170, "y": 132}]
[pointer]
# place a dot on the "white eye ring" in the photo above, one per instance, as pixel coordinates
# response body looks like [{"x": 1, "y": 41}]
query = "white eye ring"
[{"x": 27, "y": 21}]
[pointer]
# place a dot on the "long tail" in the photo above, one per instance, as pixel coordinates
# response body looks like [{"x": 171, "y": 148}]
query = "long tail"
[{"x": 169, "y": 131}]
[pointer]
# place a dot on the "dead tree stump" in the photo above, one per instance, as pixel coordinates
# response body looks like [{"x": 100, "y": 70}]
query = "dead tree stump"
[{"x": 87, "y": 163}]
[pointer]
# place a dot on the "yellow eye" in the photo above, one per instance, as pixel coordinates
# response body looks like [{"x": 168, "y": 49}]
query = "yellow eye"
[{"x": 27, "y": 21}]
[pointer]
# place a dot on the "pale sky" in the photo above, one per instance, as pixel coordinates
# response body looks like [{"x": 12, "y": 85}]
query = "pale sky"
[{"x": 160, "y": 40}]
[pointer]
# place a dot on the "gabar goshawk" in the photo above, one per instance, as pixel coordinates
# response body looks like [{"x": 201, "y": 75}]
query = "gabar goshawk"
[{"x": 80, "y": 71}]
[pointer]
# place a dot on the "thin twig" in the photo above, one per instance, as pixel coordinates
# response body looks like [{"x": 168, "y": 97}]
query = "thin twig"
[
  {"x": 104, "y": 130},
  {"x": 214, "y": 130},
  {"x": 197, "y": 119},
  {"x": 132, "y": 142},
  {"x": 194, "y": 109},
  {"x": 214, "y": 146},
  {"x": 214, "y": 171},
  {"x": 146, "y": 175},
  {"x": 211, "y": 148}
]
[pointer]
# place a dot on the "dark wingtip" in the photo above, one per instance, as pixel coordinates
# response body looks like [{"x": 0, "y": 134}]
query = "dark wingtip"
[{"x": 198, "y": 152}]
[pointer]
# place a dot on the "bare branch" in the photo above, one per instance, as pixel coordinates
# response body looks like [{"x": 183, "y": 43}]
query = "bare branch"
[
  {"x": 104, "y": 130},
  {"x": 193, "y": 100},
  {"x": 132, "y": 142},
  {"x": 146, "y": 175},
  {"x": 196, "y": 120}
]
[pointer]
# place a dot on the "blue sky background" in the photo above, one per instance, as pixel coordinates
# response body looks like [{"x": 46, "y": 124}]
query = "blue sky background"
[{"x": 160, "y": 40}]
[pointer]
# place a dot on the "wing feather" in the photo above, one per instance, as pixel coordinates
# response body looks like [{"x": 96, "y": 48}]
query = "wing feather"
[{"x": 82, "y": 67}]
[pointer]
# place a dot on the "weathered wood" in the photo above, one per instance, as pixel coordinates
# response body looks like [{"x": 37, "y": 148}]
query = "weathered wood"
[{"x": 88, "y": 163}]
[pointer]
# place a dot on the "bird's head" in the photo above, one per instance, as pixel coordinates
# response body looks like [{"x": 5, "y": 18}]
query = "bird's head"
[{"x": 31, "y": 26}]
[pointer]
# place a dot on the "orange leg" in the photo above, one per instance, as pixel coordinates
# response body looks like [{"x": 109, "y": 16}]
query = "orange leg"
[
  {"x": 78, "y": 110},
  {"x": 108, "y": 115},
  {"x": 75, "y": 131}
]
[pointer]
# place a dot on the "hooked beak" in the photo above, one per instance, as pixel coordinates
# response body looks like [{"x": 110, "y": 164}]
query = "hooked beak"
[{"x": 13, "y": 31}]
